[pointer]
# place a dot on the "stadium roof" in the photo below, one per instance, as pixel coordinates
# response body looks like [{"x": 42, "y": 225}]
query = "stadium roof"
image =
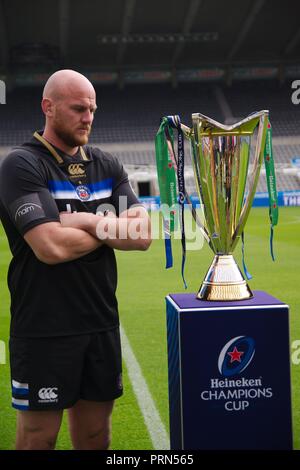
[{"x": 116, "y": 35}]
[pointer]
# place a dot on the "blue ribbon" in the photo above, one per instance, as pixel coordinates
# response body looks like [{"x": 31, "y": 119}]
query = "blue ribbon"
[
  {"x": 168, "y": 245},
  {"x": 174, "y": 121},
  {"x": 271, "y": 242},
  {"x": 168, "y": 251},
  {"x": 246, "y": 272}
]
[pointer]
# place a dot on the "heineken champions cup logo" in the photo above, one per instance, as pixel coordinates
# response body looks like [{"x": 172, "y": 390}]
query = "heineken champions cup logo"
[
  {"x": 236, "y": 355},
  {"x": 233, "y": 391}
]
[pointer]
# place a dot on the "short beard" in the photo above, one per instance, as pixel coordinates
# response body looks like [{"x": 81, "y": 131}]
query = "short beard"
[{"x": 69, "y": 139}]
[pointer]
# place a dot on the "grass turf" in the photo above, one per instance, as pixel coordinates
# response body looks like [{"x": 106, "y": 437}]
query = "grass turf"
[{"x": 143, "y": 284}]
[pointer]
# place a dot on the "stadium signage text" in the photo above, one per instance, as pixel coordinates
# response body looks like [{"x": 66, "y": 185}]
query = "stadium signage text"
[
  {"x": 261, "y": 199},
  {"x": 291, "y": 200}
]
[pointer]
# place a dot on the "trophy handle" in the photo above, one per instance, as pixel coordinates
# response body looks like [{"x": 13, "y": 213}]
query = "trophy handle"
[
  {"x": 187, "y": 131},
  {"x": 258, "y": 159}
]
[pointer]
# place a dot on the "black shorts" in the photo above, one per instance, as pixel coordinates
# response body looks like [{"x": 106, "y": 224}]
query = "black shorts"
[{"x": 54, "y": 373}]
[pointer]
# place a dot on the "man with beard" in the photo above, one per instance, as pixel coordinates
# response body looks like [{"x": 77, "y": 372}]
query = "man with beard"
[{"x": 64, "y": 335}]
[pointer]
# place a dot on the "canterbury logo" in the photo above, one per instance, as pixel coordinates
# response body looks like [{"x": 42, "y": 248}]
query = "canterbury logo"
[
  {"x": 48, "y": 393},
  {"x": 76, "y": 169}
]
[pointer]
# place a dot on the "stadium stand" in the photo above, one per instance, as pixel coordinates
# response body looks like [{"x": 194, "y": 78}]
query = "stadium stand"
[
  {"x": 284, "y": 116},
  {"x": 127, "y": 115},
  {"x": 128, "y": 119}
]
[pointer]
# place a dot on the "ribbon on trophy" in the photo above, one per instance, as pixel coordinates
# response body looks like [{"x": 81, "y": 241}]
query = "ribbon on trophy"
[
  {"x": 271, "y": 183},
  {"x": 246, "y": 272},
  {"x": 167, "y": 184},
  {"x": 272, "y": 192},
  {"x": 166, "y": 170}
]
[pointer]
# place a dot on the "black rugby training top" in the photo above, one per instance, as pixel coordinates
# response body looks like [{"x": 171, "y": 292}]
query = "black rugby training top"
[{"x": 69, "y": 298}]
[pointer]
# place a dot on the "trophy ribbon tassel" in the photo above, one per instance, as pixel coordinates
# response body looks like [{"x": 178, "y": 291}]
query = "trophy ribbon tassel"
[
  {"x": 167, "y": 185},
  {"x": 271, "y": 183},
  {"x": 174, "y": 121}
]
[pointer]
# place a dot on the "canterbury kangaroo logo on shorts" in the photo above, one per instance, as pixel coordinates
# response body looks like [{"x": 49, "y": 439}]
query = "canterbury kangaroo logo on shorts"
[{"x": 48, "y": 394}]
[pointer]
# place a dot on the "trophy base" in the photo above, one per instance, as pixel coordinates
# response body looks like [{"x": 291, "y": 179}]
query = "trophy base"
[{"x": 224, "y": 281}]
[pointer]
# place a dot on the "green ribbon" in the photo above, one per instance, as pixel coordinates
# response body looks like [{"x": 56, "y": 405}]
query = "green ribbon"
[
  {"x": 271, "y": 183},
  {"x": 166, "y": 172},
  {"x": 167, "y": 182}
]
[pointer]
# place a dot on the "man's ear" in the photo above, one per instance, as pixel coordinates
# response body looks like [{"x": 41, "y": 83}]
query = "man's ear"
[{"x": 47, "y": 107}]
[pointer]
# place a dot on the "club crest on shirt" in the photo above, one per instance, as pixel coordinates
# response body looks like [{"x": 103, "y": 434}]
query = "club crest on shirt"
[{"x": 83, "y": 193}]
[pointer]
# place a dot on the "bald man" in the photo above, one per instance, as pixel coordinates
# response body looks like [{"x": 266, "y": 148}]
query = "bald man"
[{"x": 65, "y": 207}]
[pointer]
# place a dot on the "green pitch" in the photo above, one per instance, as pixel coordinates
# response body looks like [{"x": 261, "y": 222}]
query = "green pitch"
[{"x": 143, "y": 284}]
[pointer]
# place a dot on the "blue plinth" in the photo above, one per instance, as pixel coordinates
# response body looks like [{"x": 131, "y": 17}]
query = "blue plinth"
[{"x": 229, "y": 373}]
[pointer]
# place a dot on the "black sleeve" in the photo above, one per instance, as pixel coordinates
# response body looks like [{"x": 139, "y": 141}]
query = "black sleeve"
[
  {"x": 123, "y": 196},
  {"x": 24, "y": 193}
]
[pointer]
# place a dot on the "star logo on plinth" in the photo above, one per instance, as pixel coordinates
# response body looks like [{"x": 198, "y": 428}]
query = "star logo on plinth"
[{"x": 235, "y": 355}]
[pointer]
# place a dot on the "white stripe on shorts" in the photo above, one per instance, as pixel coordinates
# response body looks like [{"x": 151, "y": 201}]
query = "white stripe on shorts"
[
  {"x": 17, "y": 401},
  {"x": 19, "y": 384}
]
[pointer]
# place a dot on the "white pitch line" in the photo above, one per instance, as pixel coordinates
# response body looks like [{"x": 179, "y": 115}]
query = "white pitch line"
[{"x": 156, "y": 429}]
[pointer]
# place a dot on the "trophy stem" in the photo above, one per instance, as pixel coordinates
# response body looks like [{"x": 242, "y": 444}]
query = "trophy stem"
[{"x": 224, "y": 281}]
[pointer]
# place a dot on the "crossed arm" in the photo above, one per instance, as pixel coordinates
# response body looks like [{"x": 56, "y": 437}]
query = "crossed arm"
[{"x": 80, "y": 233}]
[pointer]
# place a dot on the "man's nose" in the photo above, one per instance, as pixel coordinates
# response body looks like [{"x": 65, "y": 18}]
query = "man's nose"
[{"x": 87, "y": 116}]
